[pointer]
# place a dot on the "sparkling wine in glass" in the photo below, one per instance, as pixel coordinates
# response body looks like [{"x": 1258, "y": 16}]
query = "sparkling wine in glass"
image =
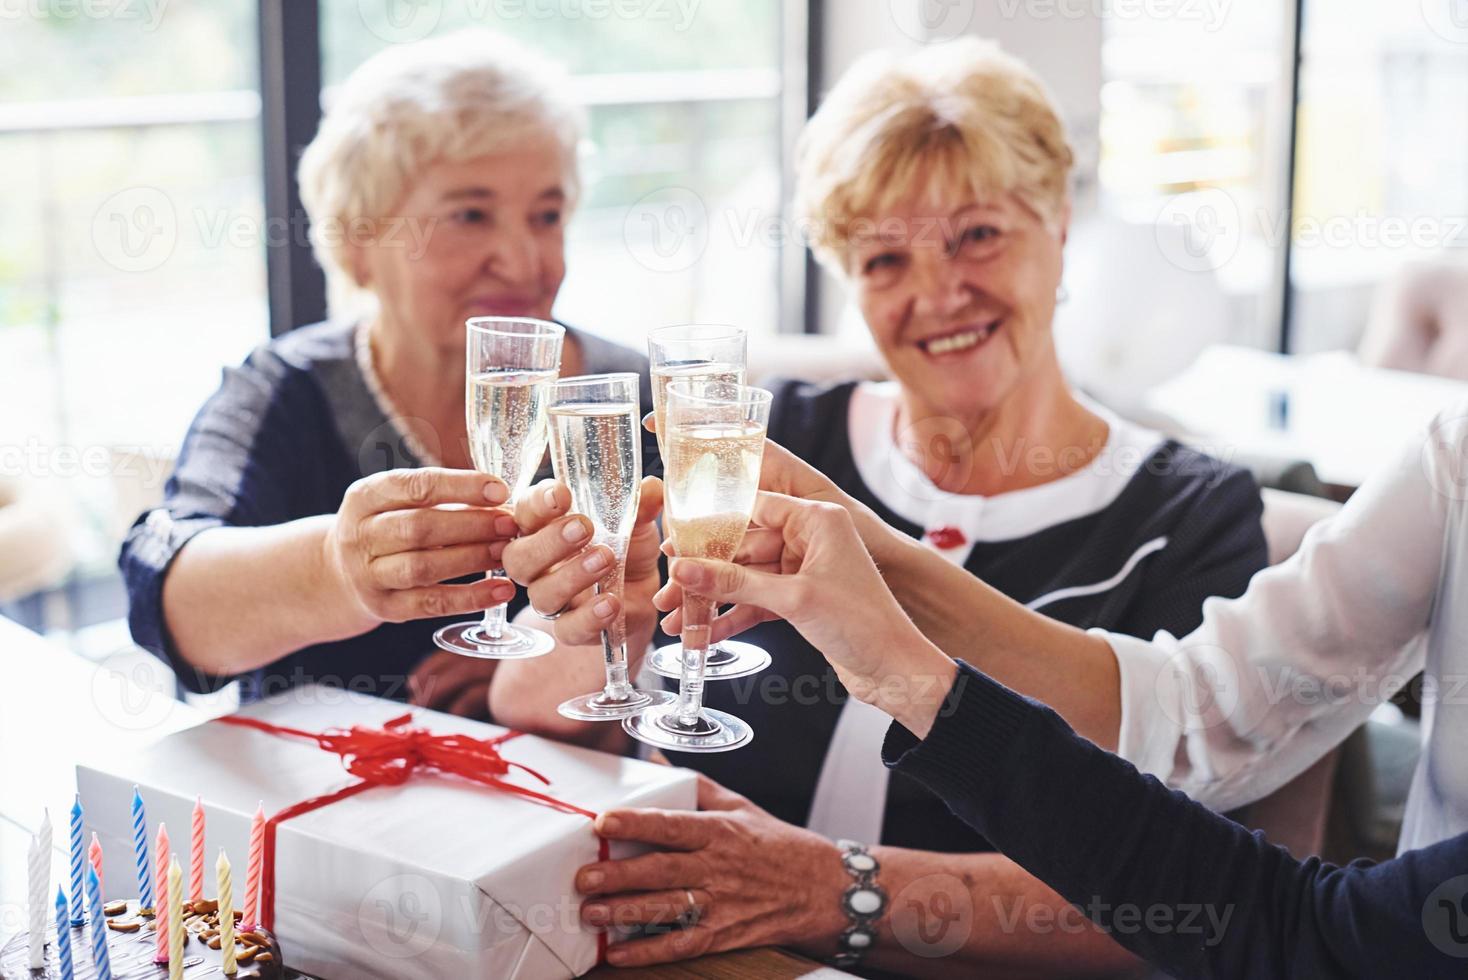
[
  {"x": 512, "y": 363},
  {"x": 596, "y": 449},
  {"x": 714, "y": 440},
  {"x": 699, "y": 353}
]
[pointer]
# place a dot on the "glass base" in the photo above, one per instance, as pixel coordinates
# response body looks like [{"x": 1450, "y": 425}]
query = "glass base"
[
  {"x": 596, "y": 707},
  {"x": 727, "y": 660},
  {"x": 515, "y": 643},
  {"x": 716, "y": 731}
]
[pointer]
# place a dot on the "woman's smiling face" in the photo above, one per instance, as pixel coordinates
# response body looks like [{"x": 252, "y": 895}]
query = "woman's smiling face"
[{"x": 959, "y": 296}]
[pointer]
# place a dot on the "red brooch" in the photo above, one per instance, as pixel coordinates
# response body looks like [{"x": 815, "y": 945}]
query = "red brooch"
[{"x": 945, "y": 538}]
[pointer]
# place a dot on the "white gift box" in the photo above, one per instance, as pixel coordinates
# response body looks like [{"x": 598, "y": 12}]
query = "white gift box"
[{"x": 438, "y": 877}]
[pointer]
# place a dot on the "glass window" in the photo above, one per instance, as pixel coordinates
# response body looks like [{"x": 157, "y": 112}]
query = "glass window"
[
  {"x": 1382, "y": 171},
  {"x": 131, "y": 244},
  {"x": 682, "y": 217},
  {"x": 1194, "y": 130}
]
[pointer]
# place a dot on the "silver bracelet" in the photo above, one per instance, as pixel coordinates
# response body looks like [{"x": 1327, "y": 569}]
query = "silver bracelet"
[{"x": 863, "y": 902}]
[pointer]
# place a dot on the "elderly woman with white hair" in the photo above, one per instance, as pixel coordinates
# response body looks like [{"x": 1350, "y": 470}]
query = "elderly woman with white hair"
[
  {"x": 307, "y": 532},
  {"x": 936, "y": 187}
]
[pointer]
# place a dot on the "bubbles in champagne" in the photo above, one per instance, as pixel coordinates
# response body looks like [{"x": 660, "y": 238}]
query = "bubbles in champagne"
[
  {"x": 507, "y": 424},
  {"x": 597, "y": 454},
  {"x": 696, "y": 371},
  {"x": 712, "y": 478}
]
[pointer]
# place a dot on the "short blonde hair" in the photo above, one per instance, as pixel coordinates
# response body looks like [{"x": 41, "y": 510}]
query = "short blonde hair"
[
  {"x": 452, "y": 98},
  {"x": 953, "y": 114}
]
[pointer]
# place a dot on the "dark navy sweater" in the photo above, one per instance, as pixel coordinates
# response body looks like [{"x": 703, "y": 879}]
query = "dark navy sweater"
[{"x": 1190, "y": 891}]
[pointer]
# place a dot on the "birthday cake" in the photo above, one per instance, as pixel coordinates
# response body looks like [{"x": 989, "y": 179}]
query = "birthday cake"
[{"x": 132, "y": 943}]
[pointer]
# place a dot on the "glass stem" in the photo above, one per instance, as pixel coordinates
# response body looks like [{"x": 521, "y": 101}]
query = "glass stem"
[
  {"x": 697, "y": 615},
  {"x": 614, "y": 640},
  {"x": 493, "y": 622}
]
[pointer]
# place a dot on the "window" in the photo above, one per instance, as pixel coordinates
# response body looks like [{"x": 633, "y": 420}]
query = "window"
[
  {"x": 131, "y": 258},
  {"x": 682, "y": 215},
  {"x": 1382, "y": 167},
  {"x": 1194, "y": 132}
]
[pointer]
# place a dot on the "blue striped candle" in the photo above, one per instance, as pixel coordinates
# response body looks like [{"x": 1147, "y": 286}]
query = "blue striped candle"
[
  {"x": 63, "y": 936},
  {"x": 78, "y": 862},
  {"x": 140, "y": 852},
  {"x": 99, "y": 927}
]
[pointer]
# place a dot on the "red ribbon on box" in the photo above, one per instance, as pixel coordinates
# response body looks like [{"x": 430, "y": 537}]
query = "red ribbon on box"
[{"x": 388, "y": 756}]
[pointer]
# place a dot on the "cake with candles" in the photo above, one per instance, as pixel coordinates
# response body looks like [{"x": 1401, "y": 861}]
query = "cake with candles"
[{"x": 132, "y": 945}]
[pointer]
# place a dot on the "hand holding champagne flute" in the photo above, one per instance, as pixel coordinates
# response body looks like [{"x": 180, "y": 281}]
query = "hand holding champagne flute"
[
  {"x": 511, "y": 363},
  {"x": 699, "y": 353},
  {"x": 714, "y": 440},
  {"x": 595, "y": 425}
]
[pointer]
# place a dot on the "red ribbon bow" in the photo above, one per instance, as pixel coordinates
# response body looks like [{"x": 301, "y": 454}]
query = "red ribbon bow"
[{"x": 388, "y": 756}]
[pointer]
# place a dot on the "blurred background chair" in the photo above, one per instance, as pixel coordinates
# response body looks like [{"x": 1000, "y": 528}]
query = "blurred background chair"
[{"x": 1419, "y": 321}]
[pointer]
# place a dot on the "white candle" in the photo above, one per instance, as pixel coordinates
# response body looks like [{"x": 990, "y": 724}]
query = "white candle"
[{"x": 40, "y": 884}]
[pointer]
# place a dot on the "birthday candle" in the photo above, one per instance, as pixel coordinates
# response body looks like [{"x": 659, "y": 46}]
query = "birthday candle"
[
  {"x": 99, "y": 927},
  {"x": 78, "y": 860},
  {"x": 94, "y": 857},
  {"x": 45, "y": 843},
  {"x": 40, "y": 881},
  {"x": 175, "y": 928},
  {"x": 140, "y": 853},
  {"x": 160, "y": 919},
  {"x": 252, "y": 874},
  {"x": 63, "y": 937},
  {"x": 196, "y": 853},
  {"x": 226, "y": 913}
]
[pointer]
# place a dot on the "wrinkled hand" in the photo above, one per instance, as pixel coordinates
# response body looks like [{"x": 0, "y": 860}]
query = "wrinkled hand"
[
  {"x": 755, "y": 880},
  {"x": 448, "y": 682},
  {"x": 782, "y": 472},
  {"x": 553, "y": 561},
  {"x": 811, "y": 569},
  {"x": 401, "y": 533}
]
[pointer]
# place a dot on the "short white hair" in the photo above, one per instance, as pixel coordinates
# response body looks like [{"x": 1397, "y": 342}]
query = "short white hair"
[
  {"x": 956, "y": 115},
  {"x": 452, "y": 98}
]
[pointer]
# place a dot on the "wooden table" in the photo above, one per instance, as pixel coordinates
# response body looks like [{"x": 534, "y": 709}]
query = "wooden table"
[{"x": 55, "y": 707}]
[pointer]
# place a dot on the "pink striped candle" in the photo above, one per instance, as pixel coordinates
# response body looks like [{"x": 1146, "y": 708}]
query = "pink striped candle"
[
  {"x": 94, "y": 855},
  {"x": 160, "y": 887},
  {"x": 252, "y": 874},
  {"x": 196, "y": 853}
]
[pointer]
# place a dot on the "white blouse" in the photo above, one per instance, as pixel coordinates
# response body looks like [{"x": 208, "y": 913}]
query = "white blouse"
[{"x": 1273, "y": 680}]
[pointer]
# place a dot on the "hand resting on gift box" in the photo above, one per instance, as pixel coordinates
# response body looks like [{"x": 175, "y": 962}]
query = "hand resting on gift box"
[{"x": 754, "y": 880}]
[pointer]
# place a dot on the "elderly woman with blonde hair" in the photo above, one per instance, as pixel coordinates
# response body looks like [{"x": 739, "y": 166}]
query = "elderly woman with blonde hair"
[
  {"x": 935, "y": 186},
  {"x": 325, "y": 517}
]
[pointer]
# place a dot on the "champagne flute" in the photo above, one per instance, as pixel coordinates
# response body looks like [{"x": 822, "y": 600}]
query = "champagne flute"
[
  {"x": 699, "y": 352},
  {"x": 511, "y": 364},
  {"x": 715, "y": 438},
  {"x": 596, "y": 450}
]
